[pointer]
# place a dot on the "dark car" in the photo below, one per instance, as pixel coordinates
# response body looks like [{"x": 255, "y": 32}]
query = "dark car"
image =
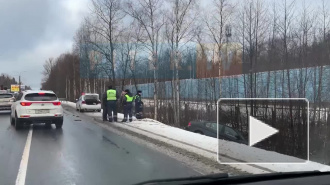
[{"x": 210, "y": 129}]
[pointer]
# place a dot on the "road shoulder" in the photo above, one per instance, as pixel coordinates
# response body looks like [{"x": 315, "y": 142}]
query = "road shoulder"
[{"x": 199, "y": 163}]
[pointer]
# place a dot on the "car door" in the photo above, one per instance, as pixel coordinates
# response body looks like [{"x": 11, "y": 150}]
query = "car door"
[
  {"x": 231, "y": 135},
  {"x": 221, "y": 131},
  {"x": 210, "y": 129}
]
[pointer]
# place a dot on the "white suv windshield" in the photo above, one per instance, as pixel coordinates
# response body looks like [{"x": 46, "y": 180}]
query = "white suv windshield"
[{"x": 40, "y": 97}]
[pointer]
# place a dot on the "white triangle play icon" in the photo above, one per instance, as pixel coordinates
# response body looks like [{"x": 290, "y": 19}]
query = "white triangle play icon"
[{"x": 259, "y": 131}]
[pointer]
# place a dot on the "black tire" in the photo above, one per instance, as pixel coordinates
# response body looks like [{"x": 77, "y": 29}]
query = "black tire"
[
  {"x": 81, "y": 110},
  {"x": 18, "y": 124},
  {"x": 199, "y": 132},
  {"x": 59, "y": 124},
  {"x": 48, "y": 125}
]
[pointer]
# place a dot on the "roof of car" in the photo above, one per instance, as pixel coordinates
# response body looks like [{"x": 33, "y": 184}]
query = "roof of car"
[
  {"x": 37, "y": 91},
  {"x": 4, "y": 92},
  {"x": 203, "y": 122}
]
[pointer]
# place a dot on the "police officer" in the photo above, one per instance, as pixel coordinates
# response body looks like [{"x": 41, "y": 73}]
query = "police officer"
[
  {"x": 128, "y": 101},
  {"x": 138, "y": 105},
  {"x": 112, "y": 97}
]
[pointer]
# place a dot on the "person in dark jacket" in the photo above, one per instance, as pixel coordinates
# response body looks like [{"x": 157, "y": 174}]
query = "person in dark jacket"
[
  {"x": 104, "y": 107},
  {"x": 138, "y": 105},
  {"x": 127, "y": 103},
  {"x": 112, "y": 97}
]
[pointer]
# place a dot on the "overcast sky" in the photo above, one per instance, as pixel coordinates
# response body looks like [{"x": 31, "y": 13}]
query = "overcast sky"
[{"x": 32, "y": 31}]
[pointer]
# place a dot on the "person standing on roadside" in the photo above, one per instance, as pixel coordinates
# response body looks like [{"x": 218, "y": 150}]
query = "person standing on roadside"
[
  {"x": 112, "y": 97},
  {"x": 127, "y": 104},
  {"x": 138, "y": 105}
]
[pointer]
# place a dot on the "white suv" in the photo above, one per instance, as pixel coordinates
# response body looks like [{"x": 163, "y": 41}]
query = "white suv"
[{"x": 36, "y": 107}]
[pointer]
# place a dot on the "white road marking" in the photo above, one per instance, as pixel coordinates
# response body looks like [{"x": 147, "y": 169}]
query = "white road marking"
[{"x": 20, "y": 180}]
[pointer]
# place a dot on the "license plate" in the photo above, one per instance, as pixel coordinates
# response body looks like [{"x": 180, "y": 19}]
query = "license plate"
[{"x": 42, "y": 111}]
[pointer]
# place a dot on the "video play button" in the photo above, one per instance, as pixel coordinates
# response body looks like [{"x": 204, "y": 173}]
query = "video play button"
[
  {"x": 274, "y": 130},
  {"x": 259, "y": 131}
]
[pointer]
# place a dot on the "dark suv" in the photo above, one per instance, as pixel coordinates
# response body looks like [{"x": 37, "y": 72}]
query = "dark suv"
[{"x": 210, "y": 129}]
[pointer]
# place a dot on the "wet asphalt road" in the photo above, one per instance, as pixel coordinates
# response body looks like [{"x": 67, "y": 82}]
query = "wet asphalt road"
[{"x": 81, "y": 153}]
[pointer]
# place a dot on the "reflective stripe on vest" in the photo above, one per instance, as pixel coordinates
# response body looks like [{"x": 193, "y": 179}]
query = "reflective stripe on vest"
[
  {"x": 111, "y": 94},
  {"x": 128, "y": 98},
  {"x": 137, "y": 98}
]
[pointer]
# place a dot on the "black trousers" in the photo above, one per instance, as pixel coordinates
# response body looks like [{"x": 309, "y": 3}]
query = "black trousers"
[
  {"x": 128, "y": 111},
  {"x": 105, "y": 112},
  {"x": 112, "y": 108},
  {"x": 138, "y": 108}
]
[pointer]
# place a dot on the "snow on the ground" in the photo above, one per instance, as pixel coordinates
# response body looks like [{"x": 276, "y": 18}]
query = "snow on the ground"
[
  {"x": 208, "y": 146},
  {"x": 71, "y": 104}
]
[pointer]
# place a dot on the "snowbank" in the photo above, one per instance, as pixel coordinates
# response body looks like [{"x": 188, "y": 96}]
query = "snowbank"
[{"x": 208, "y": 147}]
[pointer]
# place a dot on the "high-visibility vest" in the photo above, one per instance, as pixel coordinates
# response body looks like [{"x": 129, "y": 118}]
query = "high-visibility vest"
[
  {"x": 128, "y": 98},
  {"x": 111, "y": 94},
  {"x": 137, "y": 98}
]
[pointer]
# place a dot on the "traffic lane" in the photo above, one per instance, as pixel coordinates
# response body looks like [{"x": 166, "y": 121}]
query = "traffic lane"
[
  {"x": 12, "y": 144},
  {"x": 84, "y": 153}
]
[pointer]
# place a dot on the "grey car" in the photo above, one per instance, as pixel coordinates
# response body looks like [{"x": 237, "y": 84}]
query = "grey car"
[{"x": 210, "y": 129}]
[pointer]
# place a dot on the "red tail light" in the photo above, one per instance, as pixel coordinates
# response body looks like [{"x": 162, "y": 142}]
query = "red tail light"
[
  {"x": 41, "y": 93},
  {"x": 26, "y": 103},
  {"x": 189, "y": 124},
  {"x": 57, "y": 103},
  {"x": 83, "y": 102}
]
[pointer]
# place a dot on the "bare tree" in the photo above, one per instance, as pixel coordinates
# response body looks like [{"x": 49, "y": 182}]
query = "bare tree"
[
  {"x": 105, "y": 26},
  {"x": 81, "y": 41},
  {"x": 253, "y": 29},
  {"x": 127, "y": 52},
  {"x": 48, "y": 65},
  {"x": 285, "y": 27},
  {"x": 216, "y": 25},
  {"x": 179, "y": 30},
  {"x": 149, "y": 15}
]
